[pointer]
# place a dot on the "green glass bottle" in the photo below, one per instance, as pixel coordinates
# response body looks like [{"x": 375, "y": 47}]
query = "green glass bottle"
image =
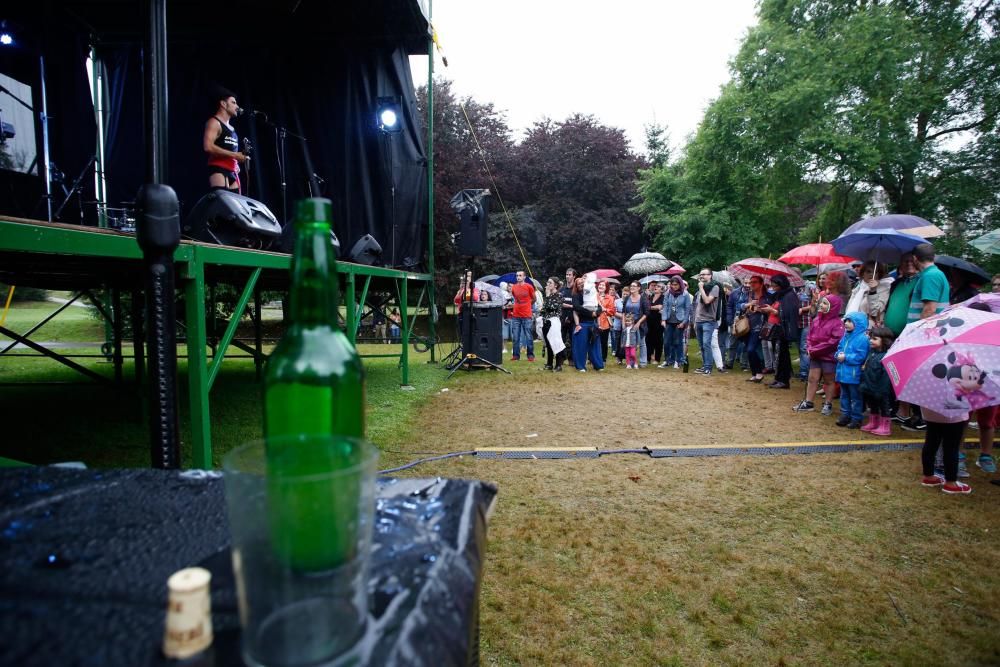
[{"x": 314, "y": 385}]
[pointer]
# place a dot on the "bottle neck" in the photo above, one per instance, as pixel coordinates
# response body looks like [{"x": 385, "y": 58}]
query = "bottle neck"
[{"x": 314, "y": 294}]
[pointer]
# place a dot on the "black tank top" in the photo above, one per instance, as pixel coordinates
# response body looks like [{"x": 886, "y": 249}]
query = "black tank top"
[{"x": 227, "y": 138}]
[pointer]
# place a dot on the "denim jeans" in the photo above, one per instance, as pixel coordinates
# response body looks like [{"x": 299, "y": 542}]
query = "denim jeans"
[
  {"x": 520, "y": 331},
  {"x": 704, "y": 331},
  {"x": 616, "y": 336},
  {"x": 587, "y": 345},
  {"x": 851, "y": 403},
  {"x": 803, "y": 355},
  {"x": 673, "y": 344}
]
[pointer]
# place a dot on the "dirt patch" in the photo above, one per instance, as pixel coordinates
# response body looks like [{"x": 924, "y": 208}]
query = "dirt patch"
[{"x": 621, "y": 408}]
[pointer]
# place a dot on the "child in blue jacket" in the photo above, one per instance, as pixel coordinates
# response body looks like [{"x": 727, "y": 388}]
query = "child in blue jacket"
[{"x": 851, "y": 354}]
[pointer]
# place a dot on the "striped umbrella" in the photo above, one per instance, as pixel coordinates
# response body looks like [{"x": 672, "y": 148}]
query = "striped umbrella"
[{"x": 759, "y": 266}]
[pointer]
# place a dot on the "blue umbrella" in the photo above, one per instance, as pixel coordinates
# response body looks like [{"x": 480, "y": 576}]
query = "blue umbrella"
[
  {"x": 881, "y": 245},
  {"x": 901, "y": 222},
  {"x": 510, "y": 279}
]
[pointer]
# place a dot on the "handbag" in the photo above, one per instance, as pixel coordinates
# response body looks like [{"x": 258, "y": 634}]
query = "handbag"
[{"x": 741, "y": 327}]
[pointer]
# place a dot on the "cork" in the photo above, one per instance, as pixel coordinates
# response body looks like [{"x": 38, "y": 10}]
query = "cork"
[{"x": 188, "y": 628}]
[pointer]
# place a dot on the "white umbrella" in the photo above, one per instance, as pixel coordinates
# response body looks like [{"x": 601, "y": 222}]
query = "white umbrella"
[
  {"x": 654, "y": 279},
  {"x": 646, "y": 262}
]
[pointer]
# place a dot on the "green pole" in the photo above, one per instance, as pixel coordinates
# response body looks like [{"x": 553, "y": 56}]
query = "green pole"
[{"x": 432, "y": 326}]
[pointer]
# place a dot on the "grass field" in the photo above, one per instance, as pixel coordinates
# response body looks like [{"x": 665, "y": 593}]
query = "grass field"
[{"x": 823, "y": 559}]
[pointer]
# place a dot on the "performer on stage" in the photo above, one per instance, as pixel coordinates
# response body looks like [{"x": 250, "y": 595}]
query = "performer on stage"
[{"x": 222, "y": 145}]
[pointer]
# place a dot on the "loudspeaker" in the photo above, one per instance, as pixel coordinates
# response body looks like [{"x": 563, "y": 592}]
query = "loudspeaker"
[
  {"x": 366, "y": 251},
  {"x": 287, "y": 241},
  {"x": 229, "y": 218},
  {"x": 487, "y": 334},
  {"x": 473, "y": 227}
]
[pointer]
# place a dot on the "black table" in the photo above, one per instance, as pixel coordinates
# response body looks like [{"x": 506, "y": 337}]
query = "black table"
[{"x": 85, "y": 556}]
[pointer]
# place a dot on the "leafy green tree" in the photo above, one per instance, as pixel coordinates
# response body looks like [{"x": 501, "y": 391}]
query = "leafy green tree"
[{"x": 657, "y": 145}]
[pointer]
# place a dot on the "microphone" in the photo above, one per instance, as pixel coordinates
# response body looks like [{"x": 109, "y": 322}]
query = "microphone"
[{"x": 257, "y": 112}]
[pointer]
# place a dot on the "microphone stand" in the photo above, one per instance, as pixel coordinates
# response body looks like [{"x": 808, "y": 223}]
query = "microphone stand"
[
  {"x": 280, "y": 134},
  {"x": 75, "y": 189}
]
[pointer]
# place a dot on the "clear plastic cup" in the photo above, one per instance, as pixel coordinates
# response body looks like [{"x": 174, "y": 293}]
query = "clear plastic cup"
[{"x": 300, "y": 516}]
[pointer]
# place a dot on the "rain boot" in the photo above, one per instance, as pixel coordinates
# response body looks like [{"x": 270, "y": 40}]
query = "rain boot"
[
  {"x": 884, "y": 426},
  {"x": 872, "y": 423}
]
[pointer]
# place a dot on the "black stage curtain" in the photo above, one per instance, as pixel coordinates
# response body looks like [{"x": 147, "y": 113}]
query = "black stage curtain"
[
  {"x": 320, "y": 92},
  {"x": 320, "y": 86}
]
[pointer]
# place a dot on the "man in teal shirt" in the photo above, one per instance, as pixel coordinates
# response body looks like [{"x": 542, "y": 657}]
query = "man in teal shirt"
[
  {"x": 931, "y": 291},
  {"x": 898, "y": 308},
  {"x": 929, "y": 297}
]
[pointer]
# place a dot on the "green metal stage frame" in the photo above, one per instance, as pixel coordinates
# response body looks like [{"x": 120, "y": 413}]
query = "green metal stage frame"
[{"x": 69, "y": 257}]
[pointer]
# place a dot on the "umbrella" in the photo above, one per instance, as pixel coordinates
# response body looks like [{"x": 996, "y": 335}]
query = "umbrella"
[
  {"x": 654, "y": 279},
  {"x": 908, "y": 224},
  {"x": 813, "y": 253},
  {"x": 489, "y": 278},
  {"x": 605, "y": 273},
  {"x": 881, "y": 245},
  {"x": 988, "y": 242},
  {"x": 758, "y": 266},
  {"x": 949, "y": 363},
  {"x": 723, "y": 277},
  {"x": 496, "y": 296},
  {"x": 990, "y": 299},
  {"x": 510, "y": 279},
  {"x": 646, "y": 262},
  {"x": 613, "y": 281},
  {"x": 675, "y": 270},
  {"x": 976, "y": 273}
]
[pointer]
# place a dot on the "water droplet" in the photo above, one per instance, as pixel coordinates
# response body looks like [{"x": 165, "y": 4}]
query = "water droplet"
[{"x": 53, "y": 561}]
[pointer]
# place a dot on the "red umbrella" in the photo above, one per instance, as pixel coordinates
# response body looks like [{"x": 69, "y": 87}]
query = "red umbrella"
[
  {"x": 758, "y": 266},
  {"x": 605, "y": 273},
  {"x": 675, "y": 270},
  {"x": 814, "y": 253}
]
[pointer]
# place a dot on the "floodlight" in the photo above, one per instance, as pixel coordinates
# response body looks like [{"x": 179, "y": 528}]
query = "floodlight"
[
  {"x": 6, "y": 39},
  {"x": 388, "y": 114},
  {"x": 387, "y": 119}
]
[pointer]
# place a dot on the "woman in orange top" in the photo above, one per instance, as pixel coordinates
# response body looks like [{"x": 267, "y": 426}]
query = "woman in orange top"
[{"x": 606, "y": 302}]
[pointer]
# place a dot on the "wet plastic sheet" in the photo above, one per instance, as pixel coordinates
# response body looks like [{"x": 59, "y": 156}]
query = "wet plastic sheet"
[{"x": 85, "y": 556}]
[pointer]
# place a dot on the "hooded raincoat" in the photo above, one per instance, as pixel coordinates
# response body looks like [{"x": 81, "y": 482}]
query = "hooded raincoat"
[
  {"x": 825, "y": 332},
  {"x": 854, "y": 345}
]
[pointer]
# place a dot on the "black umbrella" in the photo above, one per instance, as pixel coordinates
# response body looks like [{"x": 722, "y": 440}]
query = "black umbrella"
[{"x": 976, "y": 273}]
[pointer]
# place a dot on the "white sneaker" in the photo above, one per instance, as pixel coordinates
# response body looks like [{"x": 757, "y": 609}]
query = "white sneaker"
[{"x": 676, "y": 365}]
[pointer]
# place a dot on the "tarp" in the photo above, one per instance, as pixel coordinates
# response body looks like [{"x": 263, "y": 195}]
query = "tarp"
[{"x": 315, "y": 68}]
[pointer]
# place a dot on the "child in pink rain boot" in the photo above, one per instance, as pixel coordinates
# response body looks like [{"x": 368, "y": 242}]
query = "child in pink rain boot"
[{"x": 876, "y": 389}]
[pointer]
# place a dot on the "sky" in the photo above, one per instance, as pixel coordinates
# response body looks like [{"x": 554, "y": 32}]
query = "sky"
[{"x": 628, "y": 62}]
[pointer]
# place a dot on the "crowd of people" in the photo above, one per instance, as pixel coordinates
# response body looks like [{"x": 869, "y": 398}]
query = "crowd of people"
[{"x": 840, "y": 331}]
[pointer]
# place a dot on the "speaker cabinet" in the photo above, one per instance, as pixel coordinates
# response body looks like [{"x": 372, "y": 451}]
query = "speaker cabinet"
[
  {"x": 487, "y": 334},
  {"x": 473, "y": 227},
  {"x": 229, "y": 218}
]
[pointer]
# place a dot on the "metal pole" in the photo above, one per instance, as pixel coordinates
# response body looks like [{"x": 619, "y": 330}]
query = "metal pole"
[
  {"x": 155, "y": 75},
  {"x": 432, "y": 320},
  {"x": 158, "y": 233},
  {"x": 46, "y": 164}
]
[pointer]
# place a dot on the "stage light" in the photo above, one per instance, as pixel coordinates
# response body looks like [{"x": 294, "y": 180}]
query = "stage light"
[
  {"x": 6, "y": 39},
  {"x": 388, "y": 119},
  {"x": 388, "y": 114}
]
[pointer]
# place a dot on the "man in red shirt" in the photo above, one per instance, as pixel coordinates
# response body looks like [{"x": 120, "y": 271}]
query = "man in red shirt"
[{"x": 521, "y": 331}]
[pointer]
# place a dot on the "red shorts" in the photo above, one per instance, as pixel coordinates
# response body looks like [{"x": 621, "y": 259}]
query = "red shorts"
[{"x": 988, "y": 417}]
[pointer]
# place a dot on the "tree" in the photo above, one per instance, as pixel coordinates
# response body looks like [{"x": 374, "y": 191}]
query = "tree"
[
  {"x": 897, "y": 95},
  {"x": 459, "y": 164},
  {"x": 579, "y": 177},
  {"x": 657, "y": 145}
]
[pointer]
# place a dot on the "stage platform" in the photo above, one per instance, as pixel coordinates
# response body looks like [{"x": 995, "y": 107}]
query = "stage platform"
[{"x": 103, "y": 264}]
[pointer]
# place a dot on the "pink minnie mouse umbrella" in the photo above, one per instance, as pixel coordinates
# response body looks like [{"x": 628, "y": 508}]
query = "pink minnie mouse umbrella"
[{"x": 949, "y": 363}]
